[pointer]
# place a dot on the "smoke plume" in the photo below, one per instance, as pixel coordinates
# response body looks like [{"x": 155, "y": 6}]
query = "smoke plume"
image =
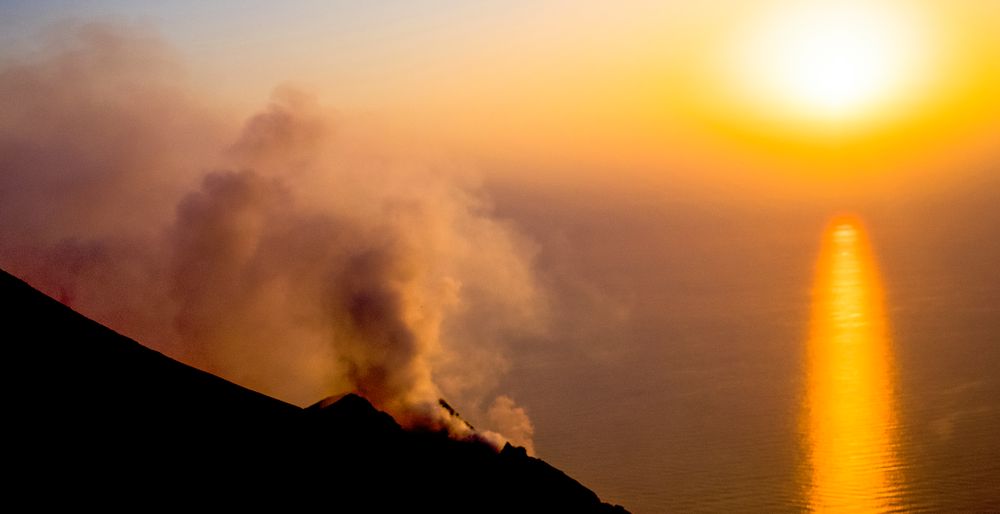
[
  {"x": 269, "y": 254},
  {"x": 512, "y": 421}
]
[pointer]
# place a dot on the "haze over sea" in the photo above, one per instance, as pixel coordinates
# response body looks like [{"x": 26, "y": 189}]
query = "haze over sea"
[
  {"x": 727, "y": 256},
  {"x": 699, "y": 403}
]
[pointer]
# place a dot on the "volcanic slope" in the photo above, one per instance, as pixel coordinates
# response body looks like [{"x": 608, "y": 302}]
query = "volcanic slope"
[{"x": 93, "y": 417}]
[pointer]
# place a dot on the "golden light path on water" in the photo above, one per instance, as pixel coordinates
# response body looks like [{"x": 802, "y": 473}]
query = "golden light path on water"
[{"x": 850, "y": 399}]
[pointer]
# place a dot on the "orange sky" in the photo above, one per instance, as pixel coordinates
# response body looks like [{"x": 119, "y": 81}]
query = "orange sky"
[
  {"x": 651, "y": 89},
  {"x": 655, "y": 96},
  {"x": 521, "y": 182}
]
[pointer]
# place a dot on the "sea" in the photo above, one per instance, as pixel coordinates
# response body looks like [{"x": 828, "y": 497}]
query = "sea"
[{"x": 724, "y": 361}]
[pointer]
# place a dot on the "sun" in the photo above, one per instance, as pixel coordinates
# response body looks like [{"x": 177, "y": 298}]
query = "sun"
[{"x": 830, "y": 59}]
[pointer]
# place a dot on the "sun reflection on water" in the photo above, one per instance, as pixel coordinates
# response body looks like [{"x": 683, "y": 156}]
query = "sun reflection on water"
[{"x": 850, "y": 399}]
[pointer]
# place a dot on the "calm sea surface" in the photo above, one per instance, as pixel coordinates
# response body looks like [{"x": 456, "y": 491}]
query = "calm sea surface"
[{"x": 854, "y": 379}]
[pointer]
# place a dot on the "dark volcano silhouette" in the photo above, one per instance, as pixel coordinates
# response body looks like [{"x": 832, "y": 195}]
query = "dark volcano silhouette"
[{"x": 93, "y": 418}]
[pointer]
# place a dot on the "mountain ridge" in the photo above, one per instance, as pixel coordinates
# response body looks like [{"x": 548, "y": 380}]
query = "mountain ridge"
[{"x": 160, "y": 429}]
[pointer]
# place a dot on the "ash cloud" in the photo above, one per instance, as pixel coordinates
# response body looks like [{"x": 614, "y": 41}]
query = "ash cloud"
[{"x": 269, "y": 254}]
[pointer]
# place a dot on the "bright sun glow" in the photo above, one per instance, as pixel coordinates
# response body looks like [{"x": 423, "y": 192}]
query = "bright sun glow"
[{"x": 831, "y": 59}]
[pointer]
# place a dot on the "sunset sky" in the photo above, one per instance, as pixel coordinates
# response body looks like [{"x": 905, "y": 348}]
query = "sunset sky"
[
  {"x": 662, "y": 90},
  {"x": 549, "y": 209}
]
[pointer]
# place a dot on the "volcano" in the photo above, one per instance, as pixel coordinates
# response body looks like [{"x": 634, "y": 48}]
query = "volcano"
[{"x": 93, "y": 418}]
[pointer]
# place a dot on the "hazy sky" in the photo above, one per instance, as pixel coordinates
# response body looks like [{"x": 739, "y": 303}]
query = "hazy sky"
[
  {"x": 648, "y": 87},
  {"x": 524, "y": 196}
]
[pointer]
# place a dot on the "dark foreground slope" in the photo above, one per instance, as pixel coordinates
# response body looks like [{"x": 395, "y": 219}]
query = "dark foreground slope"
[{"x": 94, "y": 418}]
